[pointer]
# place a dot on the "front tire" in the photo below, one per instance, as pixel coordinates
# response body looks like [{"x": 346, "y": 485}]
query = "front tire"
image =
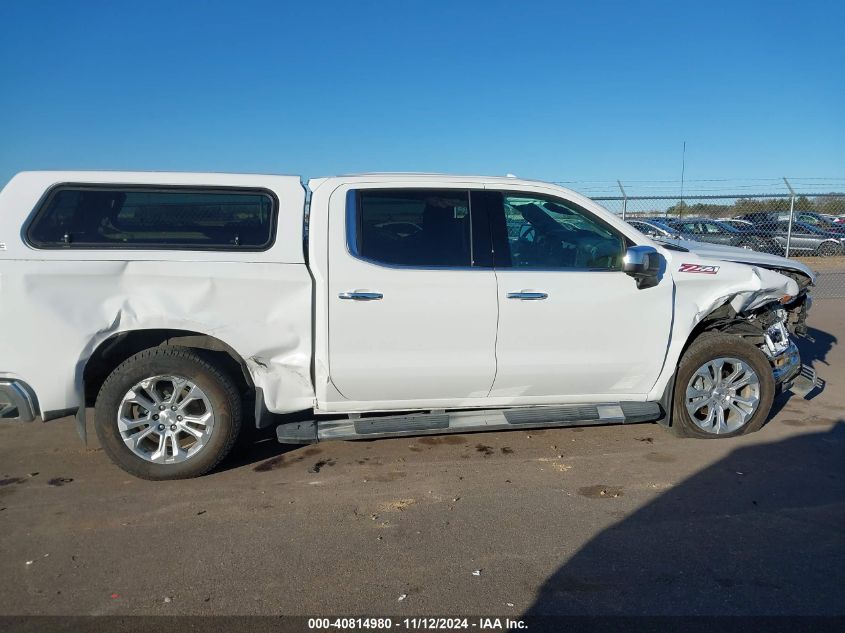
[
  {"x": 724, "y": 387},
  {"x": 167, "y": 413}
]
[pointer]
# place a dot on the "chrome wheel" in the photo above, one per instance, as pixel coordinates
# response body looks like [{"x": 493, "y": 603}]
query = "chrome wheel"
[
  {"x": 165, "y": 419},
  {"x": 723, "y": 395}
]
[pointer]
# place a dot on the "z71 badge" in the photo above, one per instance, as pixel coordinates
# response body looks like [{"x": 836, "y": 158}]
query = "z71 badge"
[{"x": 698, "y": 268}]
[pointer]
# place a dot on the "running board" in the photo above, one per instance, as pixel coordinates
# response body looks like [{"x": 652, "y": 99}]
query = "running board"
[{"x": 438, "y": 422}]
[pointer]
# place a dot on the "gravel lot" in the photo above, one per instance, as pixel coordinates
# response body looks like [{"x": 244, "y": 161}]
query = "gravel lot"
[{"x": 611, "y": 520}]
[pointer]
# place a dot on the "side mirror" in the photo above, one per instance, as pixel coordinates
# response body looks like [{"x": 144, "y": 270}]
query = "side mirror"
[{"x": 643, "y": 264}]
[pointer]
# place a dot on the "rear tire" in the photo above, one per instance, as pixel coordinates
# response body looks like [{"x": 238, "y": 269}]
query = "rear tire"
[
  {"x": 167, "y": 413},
  {"x": 829, "y": 249},
  {"x": 721, "y": 371}
]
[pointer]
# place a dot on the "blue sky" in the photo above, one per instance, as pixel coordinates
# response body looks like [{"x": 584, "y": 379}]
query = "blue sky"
[{"x": 552, "y": 90}]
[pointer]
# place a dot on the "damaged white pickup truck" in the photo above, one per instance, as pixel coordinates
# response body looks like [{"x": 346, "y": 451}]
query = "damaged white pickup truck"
[{"x": 183, "y": 305}]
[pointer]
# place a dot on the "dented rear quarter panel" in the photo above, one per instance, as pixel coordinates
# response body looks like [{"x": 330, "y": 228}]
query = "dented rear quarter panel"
[{"x": 58, "y": 305}]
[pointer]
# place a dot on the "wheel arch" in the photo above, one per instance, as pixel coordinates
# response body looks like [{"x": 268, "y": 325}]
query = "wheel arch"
[
  {"x": 836, "y": 244},
  {"x": 722, "y": 319},
  {"x": 120, "y": 346}
]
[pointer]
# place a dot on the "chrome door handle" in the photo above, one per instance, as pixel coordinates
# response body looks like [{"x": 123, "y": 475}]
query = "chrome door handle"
[
  {"x": 528, "y": 295},
  {"x": 360, "y": 295}
]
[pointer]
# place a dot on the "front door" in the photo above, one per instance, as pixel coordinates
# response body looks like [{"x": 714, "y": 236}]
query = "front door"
[
  {"x": 412, "y": 315},
  {"x": 572, "y": 326}
]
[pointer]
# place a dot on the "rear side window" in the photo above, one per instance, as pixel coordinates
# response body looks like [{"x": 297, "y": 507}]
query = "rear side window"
[
  {"x": 411, "y": 227},
  {"x": 154, "y": 218}
]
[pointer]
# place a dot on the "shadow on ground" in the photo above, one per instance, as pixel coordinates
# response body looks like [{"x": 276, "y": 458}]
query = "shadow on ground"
[
  {"x": 816, "y": 346},
  {"x": 761, "y": 531},
  {"x": 258, "y": 445}
]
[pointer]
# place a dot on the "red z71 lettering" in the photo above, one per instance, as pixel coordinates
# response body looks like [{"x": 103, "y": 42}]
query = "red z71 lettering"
[{"x": 698, "y": 268}]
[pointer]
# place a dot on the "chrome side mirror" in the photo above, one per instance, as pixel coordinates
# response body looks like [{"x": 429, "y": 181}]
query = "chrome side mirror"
[{"x": 643, "y": 264}]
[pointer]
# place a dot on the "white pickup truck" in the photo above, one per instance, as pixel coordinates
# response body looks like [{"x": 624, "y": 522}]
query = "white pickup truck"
[{"x": 183, "y": 305}]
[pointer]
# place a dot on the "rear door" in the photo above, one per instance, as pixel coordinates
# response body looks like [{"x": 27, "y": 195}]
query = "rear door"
[
  {"x": 412, "y": 301},
  {"x": 572, "y": 326}
]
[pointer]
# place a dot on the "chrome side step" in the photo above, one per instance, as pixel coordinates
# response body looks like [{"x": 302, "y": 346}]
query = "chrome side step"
[{"x": 439, "y": 422}]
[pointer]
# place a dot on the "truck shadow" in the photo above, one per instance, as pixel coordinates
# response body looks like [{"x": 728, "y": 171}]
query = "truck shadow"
[
  {"x": 258, "y": 445},
  {"x": 816, "y": 349},
  {"x": 760, "y": 532}
]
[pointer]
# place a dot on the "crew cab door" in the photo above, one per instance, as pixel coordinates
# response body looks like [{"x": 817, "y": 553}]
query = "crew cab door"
[
  {"x": 412, "y": 315},
  {"x": 572, "y": 326}
]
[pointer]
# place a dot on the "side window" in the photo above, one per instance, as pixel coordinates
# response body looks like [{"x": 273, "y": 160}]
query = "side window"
[
  {"x": 412, "y": 227},
  {"x": 691, "y": 227},
  {"x": 709, "y": 227},
  {"x": 552, "y": 234},
  {"x": 154, "y": 218}
]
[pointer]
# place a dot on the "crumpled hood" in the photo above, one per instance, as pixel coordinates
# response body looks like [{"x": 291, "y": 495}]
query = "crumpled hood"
[{"x": 744, "y": 256}]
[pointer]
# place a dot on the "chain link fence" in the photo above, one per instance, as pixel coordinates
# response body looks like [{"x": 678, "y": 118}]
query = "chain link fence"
[{"x": 809, "y": 227}]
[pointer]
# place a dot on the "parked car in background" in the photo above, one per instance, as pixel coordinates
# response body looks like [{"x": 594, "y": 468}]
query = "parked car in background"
[
  {"x": 656, "y": 229},
  {"x": 811, "y": 218},
  {"x": 737, "y": 224},
  {"x": 836, "y": 219},
  {"x": 717, "y": 232},
  {"x": 806, "y": 239}
]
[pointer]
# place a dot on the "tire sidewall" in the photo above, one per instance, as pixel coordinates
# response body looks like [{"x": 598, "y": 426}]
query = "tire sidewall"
[
  {"x": 709, "y": 347},
  {"x": 165, "y": 362}
]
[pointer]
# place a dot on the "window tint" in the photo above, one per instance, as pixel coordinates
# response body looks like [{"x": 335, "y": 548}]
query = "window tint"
[
  {"x": 413, "y": 227},
  {"x": 141, "y": 217},
  {"x": 548, "y": 233}
]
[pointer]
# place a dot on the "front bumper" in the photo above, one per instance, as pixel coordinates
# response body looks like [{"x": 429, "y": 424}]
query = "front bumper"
[
  {"x": 786, "y": 365},
  {"x": 791, "y": 375},
  {"x": 17, "y": 401}
]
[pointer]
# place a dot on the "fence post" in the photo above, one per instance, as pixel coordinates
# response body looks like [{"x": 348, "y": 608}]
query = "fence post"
[
  {"x": 791, "y": 215},
  {"x": 624, "y": 199}
]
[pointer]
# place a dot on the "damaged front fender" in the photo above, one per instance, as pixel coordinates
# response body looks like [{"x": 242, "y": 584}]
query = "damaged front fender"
[{"x": 726, "y": 296}]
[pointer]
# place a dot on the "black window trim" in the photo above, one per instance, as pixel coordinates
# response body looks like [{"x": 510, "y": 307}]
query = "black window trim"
[
  {"x": 494, "y": 226},
  {"x": 352, "y": 221},
  {"x": 42, "y": 205}
]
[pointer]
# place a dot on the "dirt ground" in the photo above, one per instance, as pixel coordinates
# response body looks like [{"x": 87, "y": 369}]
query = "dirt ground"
[
  {"x": 821, "y": 264},
  {"x": 600, "y": 520}
]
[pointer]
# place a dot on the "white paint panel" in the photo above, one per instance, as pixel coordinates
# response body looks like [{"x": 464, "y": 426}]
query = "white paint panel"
[
  {"x": 432, "y": 336},
  {"x": 596, "y": 333}
]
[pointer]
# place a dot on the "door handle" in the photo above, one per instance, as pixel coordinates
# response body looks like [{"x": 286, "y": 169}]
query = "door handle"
[
  {"x": 528, "y": 295},
  {"x": 360, "y": 295}
]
